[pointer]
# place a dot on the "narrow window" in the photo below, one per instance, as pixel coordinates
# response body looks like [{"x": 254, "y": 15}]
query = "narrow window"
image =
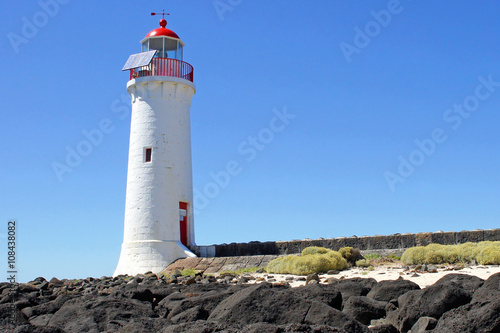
[{"x": 148, "y": 154}]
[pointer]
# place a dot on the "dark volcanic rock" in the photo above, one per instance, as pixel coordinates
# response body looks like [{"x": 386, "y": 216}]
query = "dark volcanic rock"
[
  {"x": 309, "y": 329},
  {"x": 367, "y": 282},
  {"x": 424, "y": 324},
  {"x": 471, "y": 318},
  {"x": 37, "y": 329},
  {"x": 209, "y": 327},
  {"x": 161, "y": 291},
  {"x": 55, "y": 282},
  {"x": 364, "y": 309},
  {"x": 140, "y": 294},
  {"x": 146, "y": 303},
  {"x": 176, "y": 296},
  {"x": 321, "y": 314},
  {"x": 469, "y": 283},
  {"x": 41, "y": 320},
  {"x": 260, "y": 303},
  {"x": 291, "y": 328},
  {"x": 321, "y": 293},
  {"x": 195, "y": 313},
  {"x": 27, "y": 288},
  {"x": 354, "y": 287},
  {"x": 489, "y": 291},
  {"x": 200, "y": 326},
  {"x": 432, "y": 301},
  {"x": 386, "y": 328},
  {"x": 86, "y": 314},
  {"x": 388, "y": 289},
  {"x": 144, "y": 325},
  {"x": 263, "y": 303},
  {"x": 195, "y": 307},
  {"x": 312, "y": 277},
  {"x": 354, "y": 256},
  {"x": 47, "y": 308},
  {"x": 11, "y": 315},
  {"x": 262, "y": 328}
]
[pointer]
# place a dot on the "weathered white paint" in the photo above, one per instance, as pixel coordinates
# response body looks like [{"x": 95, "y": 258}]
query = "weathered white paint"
[{"x": 160, "y": 120}]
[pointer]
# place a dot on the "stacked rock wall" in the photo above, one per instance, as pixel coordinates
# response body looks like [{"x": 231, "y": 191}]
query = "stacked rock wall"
[{"x": 364, "y": 243}]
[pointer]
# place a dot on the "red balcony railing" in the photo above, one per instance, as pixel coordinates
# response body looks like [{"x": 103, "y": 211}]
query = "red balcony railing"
[{"x": 164, "y": 67}]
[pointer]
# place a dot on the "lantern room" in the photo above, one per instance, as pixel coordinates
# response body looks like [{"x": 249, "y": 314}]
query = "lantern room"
[
  {"x": 162, "y": 55},
  {"x": 166, "y": 42}
]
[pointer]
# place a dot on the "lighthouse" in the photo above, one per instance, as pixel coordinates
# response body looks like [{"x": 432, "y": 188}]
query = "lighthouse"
[{"x": 159, "y": 224}]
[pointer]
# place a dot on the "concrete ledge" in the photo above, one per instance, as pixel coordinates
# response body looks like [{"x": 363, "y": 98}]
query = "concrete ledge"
[
  {"x": 219, "y": 264},
  {"x": 365, "y": 243}
]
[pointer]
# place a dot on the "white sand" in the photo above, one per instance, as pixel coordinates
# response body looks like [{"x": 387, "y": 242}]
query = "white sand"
[{"x": 423, "y": 279}]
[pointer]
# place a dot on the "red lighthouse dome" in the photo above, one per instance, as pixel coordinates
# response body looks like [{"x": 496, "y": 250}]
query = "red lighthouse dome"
[{"x": 162, "y": 31}]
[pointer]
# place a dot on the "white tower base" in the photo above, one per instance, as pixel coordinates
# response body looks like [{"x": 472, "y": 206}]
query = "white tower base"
[{"x": 142, "y": 256}]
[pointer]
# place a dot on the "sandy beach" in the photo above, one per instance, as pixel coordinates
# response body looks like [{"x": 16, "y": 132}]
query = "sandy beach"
[{"x": 389, "y": 272}]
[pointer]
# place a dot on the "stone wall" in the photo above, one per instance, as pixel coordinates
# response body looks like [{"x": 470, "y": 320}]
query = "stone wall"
[{"x": 364, "y": 243}]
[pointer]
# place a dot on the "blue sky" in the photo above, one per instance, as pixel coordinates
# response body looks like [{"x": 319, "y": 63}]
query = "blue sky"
[{"x": 392, "y": 126}]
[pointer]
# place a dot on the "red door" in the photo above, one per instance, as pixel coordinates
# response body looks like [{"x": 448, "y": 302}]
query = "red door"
[{"x": 183, "y": 222}]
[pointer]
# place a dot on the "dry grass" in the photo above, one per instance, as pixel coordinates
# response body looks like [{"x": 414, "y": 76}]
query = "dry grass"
[
  {"x": 363, "y": 263},
  {"x": 314, "y": 250},
  {"x": 484, "y": 253},
  {"x": 385, "y": 261},
  {"x": 312, "y": 260}
]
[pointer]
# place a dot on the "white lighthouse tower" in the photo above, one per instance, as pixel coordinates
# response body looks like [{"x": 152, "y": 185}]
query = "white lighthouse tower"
[{"x": 159, "y": 200}]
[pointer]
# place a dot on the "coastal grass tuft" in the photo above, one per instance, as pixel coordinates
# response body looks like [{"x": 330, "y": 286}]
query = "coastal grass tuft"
[
  {"x": 346, "y": 252},
  {"x": 375, "y": 259},
  {"x": 351, "y": 254},
  {"x": 244, "y": 270},
  {"x": 363, "y": 263},
  {"x": 189, "y": 272},
  {"x": 483, "y": 253},
  {"x": 372, "y": 256},
  {"x": 314, "y": 250},
  {"x": 313, "y": 260},
  {"x": 394, "y": 257}
]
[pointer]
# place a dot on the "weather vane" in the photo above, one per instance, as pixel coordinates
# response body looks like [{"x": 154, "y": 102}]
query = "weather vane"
[{"x": 162, "y": 13}]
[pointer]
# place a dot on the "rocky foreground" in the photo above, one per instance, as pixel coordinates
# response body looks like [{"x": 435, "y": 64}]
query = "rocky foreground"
[{"x": 149, "y": 303}]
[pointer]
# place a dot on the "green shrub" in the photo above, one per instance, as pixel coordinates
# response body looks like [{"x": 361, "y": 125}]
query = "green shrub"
[
  {"x": 484, "y": 253},
  {"x": 314, "y": 250},
  {"x": 467, "y": 251},
  {"x": 414, "y": 255},
  {"x": 319, "y": 262},
  {"x": 346, "y": 252},
  {"x": 314, "y": 263},
  {"x": 393, "y": 256},
  {"x": 188, "y": 272},
  {"x": 363, "y": 263},
  {"x": 372, "y": 256},
  {"x": 351, "y": 254},
  {"x": 451, "y": 254},
  {"x": 280, "y": 265},
  {"x": 489, "y": 254},
  {"x": 338, "y": 262},
  {"x": 434, "y": 254}
]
